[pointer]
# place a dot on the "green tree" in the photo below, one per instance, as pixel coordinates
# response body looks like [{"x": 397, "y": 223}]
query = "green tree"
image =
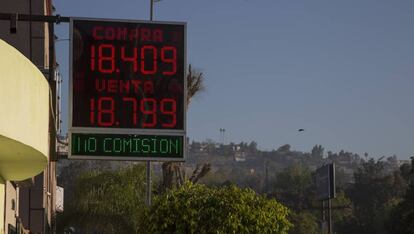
[
  {"x": 402, "y": 216},
  {"x": 372, "y": 195},
  {"x": 195, "y": 208},
  {"x": 107, "y": 202},
  {"x": 294, "y": 187},
  {"x": 284, "y": 149},
  {"x": 252, "y": 148},
  {"x": 173, "y": 173},
  {"x": 304, "y": 223},
  {"x": 342, "y": 208},
  {"x": 69, "y": 170},
  {"x": 195, "y": 83},
  {"x": 317, "y": 152}
]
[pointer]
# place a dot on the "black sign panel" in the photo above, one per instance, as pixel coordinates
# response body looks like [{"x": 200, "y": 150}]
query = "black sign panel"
[
  {"x": 128, "y": 75},
  {"x": 127, "y": 90},
  {"x": 325, "y": 182}
]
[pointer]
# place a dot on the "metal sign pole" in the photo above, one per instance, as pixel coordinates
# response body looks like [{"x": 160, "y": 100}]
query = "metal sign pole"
[
  {"x": 149, "y": 183},
  {"x": 323, "y": 217},
  {"x": 331, "y": 195},
  {"x": 325, "y": 184},
  {"x": 329, "y": 216},
  {"x": 149, "y": 162}
]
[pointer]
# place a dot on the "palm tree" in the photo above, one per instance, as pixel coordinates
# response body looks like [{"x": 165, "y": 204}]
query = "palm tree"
[
  {"x": 172, "y": 172},
  {"x": 195, "y": 83}
]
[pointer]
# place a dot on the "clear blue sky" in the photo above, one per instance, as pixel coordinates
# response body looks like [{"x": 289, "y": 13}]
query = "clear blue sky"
[{"x": 342, "y": 70}]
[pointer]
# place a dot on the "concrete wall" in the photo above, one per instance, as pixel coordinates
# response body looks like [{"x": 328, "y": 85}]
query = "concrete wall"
[{"x": 24, "y": 119}]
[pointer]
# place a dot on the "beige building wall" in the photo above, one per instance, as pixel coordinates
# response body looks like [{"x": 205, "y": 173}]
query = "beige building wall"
[
  {"x": 2, "y": 197},
  {"x": 20, "y": 39},
  {"x": 35, "y": 203}
]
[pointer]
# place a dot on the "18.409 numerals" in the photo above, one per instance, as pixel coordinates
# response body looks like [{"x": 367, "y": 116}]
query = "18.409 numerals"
[{"x": 145, "y": 59}]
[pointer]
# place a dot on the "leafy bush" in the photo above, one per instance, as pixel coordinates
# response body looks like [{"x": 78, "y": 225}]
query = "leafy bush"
[{"x": 195, "y": 208}]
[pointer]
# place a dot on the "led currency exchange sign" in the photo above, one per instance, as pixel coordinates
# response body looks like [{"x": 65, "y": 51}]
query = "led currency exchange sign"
[{"x": 127, "y": 90}]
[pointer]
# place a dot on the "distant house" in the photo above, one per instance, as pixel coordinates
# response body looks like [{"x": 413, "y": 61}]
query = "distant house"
[
  {"x": 401, "y": 162},
  {"x": 240, "y": 156}
]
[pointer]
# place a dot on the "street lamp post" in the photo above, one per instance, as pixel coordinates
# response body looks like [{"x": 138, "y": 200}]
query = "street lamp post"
[{"x": 151, "y": 9}]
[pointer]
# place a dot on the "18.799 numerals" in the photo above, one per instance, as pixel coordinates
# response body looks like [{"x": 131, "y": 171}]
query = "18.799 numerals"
[{"x": 143, "y": 112}]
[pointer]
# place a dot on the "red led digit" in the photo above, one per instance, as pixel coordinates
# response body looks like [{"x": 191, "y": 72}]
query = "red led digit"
[
  {"x": 144, "y": 50},
  {"x": 92, "y": 111},
  {"x": 172, "y": 60},
  {"x": 108, "y": 112},
  {"x": 109, "y": 59},
  {"x": 92, "y": 58},
  {"x": 169, "y": 107},
  {"x": 148, "y": 108},
  {"x": 133, "y": 58},
  {"x": 134, "y": 108}
]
